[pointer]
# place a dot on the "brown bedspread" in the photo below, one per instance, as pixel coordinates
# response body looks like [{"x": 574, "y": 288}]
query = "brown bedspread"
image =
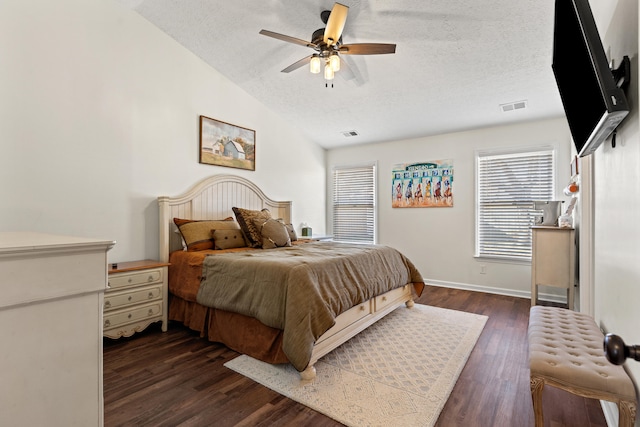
[
  {"x": 185, "y": 271},
  {"x": 301, "y": 289}
]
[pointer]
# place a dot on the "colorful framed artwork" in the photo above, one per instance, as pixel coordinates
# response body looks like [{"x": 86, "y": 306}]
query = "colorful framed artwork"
[
  {"x": 224, "y": 144},
  {"x": 423, "y": 185}
]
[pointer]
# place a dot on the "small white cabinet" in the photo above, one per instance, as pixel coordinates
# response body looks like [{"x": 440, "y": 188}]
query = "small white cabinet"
[
  {"x": 135, "y": 298},
  {"x": 51, "y": 291},
  {"x": 553, "y": 260}
]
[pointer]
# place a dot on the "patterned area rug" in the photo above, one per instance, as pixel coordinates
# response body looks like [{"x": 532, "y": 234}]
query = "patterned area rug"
[{"x": 398, "y": 372}]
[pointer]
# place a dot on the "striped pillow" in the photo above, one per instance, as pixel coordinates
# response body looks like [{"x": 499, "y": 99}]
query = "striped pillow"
[{"x": 246, "y": 218}]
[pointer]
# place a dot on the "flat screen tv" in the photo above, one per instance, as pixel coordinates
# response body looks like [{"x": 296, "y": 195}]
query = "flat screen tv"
[{"x": 593, "y": 102}]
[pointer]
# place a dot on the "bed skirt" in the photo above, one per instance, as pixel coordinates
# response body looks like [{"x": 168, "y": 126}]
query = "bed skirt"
[{"x": 238, "y": 332}]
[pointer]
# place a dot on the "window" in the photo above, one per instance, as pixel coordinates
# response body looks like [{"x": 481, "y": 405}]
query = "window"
[
  {"x": 507, "y": 184},
  {"x": 354, "y": 195}
]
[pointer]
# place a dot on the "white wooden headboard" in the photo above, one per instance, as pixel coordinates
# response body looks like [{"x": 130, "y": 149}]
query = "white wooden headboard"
[{"x": 212, "y": 198}]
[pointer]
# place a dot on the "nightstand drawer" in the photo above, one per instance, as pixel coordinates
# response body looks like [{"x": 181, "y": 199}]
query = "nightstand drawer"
[
  {"x": 123, "y": 317},
  {"x": 137, "y": 278},
  {"x": 114, "y": 300}
]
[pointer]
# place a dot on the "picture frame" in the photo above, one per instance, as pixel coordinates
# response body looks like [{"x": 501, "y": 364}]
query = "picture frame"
[
  {"x": 228, "y": 145},
  {"x": 422, "y": 185}
]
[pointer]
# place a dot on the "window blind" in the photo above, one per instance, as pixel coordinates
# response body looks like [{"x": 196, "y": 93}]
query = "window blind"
[
  {"x": 354, "y": 204},
  {"x": 507, "y": 185}
]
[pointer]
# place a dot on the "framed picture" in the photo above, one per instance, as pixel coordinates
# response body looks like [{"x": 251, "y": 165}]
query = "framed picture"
[
  {"x": 422, "y": 185},
  {"x": 224, "y": 144}
]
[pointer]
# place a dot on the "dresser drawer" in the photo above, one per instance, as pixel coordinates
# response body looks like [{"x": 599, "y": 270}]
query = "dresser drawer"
[
  {"x": 136, "y": 278},
  {"x": 115, "y": 300},
  {"x": 392, "y": 297},
  {"x": 122, "y": 317}
]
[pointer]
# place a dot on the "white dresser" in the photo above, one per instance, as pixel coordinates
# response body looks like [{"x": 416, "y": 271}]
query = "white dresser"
[
  {"x": 553, "y": 260},
  {"x": 51, "y": 293}
]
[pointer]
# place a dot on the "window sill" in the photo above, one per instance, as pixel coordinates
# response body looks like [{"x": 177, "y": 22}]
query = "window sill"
[{"x": 502, "y": 260}]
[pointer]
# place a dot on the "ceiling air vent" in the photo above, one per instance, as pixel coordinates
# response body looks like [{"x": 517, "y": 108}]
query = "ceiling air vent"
[
  {"x": 512, "y": 106},
  {"x": 349, "y": 133}
]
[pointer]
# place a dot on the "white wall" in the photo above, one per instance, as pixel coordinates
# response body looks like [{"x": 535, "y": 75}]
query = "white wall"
[
  {"x": 440, "y": 241},
  {"x": 617, "y": 191},
  {"x": 99, "y": 116}
]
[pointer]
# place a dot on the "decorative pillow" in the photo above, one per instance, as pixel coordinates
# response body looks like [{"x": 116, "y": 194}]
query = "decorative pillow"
[
  {"x": 292, "y": 232},
  {"x": 246, "y": 220},
  {"x": 197, "y": 234},
  {"x": 227, "y": 239},
  {"x": 274, "y": 233}
]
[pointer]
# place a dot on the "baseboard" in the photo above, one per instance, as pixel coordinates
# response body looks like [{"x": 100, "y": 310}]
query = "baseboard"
[
  {"x": 611, "y": 414},
  {"x": 498, "y": 291}
]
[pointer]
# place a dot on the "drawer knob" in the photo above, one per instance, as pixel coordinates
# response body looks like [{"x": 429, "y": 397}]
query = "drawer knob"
[
  {"x": 150, "y": 312},
  {"x": 384, "y": 299},
  {"x": 150, "y": 295},
  {"x": 129, "y": 316},
  {"x": 150, "y": 279},
  {"x": 130, "y": 280},
  {"x": 362, "y": 308},
  {"x": 107, "y": 304},
  {"x": 107, "y": 322},
  {"x": 129, "y": 298}
]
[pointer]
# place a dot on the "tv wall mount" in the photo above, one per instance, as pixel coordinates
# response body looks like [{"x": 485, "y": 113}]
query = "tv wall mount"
[
  {"x": 622, "y": 77},
  {"x": 622, "y": 74}
]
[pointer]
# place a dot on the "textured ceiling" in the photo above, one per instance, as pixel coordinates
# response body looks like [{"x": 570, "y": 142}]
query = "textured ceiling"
[{"x": 456, "y": 62}]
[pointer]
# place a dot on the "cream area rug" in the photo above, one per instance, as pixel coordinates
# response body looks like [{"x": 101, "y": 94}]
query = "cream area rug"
[{"x": 398, "y": 372}]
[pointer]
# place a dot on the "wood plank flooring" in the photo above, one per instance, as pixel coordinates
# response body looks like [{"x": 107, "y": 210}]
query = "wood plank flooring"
[{"x": 178, "y": 379}]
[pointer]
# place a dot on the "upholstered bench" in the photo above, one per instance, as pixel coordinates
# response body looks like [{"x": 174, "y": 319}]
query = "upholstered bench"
[{"x": 566, "y": 351}]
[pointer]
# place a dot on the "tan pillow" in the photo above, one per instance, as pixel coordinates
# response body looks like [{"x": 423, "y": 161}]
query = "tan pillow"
[
  {"x": 292, "y": 232},
  {"x": 274, "y": 233},
  {"x": 197, "y": 234},
  {"x": 246, "y": 218},
  {"x": 227, "y": 239}
]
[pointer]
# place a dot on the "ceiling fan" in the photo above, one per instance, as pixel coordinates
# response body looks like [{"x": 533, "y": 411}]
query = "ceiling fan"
[{"x": 327, "y": 42}]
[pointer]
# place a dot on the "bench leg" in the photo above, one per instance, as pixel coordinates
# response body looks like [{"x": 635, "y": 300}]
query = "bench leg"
[
  {"x": 537, "y": 385},
  {"x": 627, "y": 413}
]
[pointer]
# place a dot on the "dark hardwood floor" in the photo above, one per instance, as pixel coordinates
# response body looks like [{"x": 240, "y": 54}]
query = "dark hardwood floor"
[{"x": 178, "y": 379}]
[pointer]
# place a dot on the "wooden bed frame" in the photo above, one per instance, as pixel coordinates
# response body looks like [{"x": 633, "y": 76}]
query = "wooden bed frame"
[{"x": 214, "y": 198}]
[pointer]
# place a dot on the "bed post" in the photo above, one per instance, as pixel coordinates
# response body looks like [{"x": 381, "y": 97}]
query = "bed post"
[
  {"x": 163, "y": 209},
  {"x": 309, "y": 374}
]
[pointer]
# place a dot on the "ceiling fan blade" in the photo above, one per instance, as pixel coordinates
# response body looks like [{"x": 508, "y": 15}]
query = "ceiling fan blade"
[
  {"x": 297, "y": 64},
  {"x": 367, "y": 48},
  {"x": 287, "y": 39},
  {"x": 335, "y": 24}
]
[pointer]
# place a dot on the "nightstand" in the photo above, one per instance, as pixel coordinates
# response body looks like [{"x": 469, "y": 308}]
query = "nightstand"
[
  {"x": 136, "y": 297},
  {"x": 315, "y": 238}
]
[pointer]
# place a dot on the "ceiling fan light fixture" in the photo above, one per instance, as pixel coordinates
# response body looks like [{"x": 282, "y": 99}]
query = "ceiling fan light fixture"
[
  {"x": 328, "y": 46},
  {"x": 328, "y": 71},
  {"x": 314, "y": 64},
  {"x": 334, "y": 61}
]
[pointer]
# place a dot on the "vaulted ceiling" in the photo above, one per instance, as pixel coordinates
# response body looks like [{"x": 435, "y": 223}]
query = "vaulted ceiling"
[{"x": 456, "y": 62}]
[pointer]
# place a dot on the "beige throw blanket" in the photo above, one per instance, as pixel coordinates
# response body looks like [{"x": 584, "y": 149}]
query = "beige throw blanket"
[{"x": 301, "y": 289}]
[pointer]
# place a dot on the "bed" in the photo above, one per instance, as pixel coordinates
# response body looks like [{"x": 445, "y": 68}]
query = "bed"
[{"x": 328, "y": 317}]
